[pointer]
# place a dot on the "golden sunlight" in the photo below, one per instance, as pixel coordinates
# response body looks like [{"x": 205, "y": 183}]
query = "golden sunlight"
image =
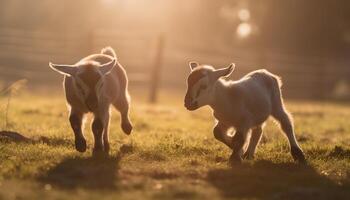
[
  {"x": 174, "y": 99},
  {"x": 244, "y": 30}
]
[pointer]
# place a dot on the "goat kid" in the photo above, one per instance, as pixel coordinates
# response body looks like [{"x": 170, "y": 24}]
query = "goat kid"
[
  {"x": 244, "y": 105},
  {"x": 92, "y": 85}
]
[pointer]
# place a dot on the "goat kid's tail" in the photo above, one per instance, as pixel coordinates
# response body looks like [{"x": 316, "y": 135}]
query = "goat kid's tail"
[{"x": 109, "y": 51}]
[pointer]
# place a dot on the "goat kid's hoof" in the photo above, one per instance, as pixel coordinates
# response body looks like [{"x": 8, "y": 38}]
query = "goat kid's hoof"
[
  {"x": 248, "y": 156},
  {"x": 235, "y": 160},
  {"x": 80, "y": 145},
  {"x": 127, "y": 128},
  {"x": 106, "y": 149},
  {"x": 298, "y": 155},
  {"x": 99, "y": 153}
]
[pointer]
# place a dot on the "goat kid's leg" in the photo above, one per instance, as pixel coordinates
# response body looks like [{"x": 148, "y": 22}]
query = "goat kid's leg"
[
  {"x": 106, "y": 145},
  {"x": 254, "y": 141},
  {"x": 220, "y": 133},
  {"x": 76, "y": 122},
  {"x": 287, "y": 127},
  {"x": 238, "y": 141},
  {"x": 97, "y": 129},
  {"x": 122, "y": 105}
]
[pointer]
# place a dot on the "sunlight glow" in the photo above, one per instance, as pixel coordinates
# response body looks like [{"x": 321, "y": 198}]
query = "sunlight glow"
[
  {"x": 244, "y": 30},
  {"x": 244, "y": 14}
]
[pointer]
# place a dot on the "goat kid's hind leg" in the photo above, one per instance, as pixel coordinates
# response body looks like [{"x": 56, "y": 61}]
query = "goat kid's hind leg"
[
  {"x": 220, "y": 133},
  {"x": 254, "y": 141},
  {"x": 122, "y": 105},
  {"x": 106, "y": 145},
  {"x": 238, "y": 142},
  {"x": 76, "y": 122},
  {"x": 286, "y": 124}
]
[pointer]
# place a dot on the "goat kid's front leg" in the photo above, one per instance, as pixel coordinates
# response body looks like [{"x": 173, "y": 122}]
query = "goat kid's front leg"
[
  {"x": 238, "y": 142},
  {"x": 220, "y": 133},
  {"x": 76, "y": 122},
  {"x": 254, "y": 141},
  {"x": 97, "y": 129}
]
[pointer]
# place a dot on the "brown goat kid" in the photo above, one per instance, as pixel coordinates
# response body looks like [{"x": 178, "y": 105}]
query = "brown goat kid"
[
  {"x": 92, "y": 85},
  {"x": 244, "y": 105}
]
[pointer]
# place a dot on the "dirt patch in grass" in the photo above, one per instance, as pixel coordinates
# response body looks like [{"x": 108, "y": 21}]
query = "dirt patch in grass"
[{"x": 14, "y": 136}]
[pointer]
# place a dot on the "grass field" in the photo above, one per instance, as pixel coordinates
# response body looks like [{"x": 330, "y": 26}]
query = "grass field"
[{"x": 171, "y": 154}]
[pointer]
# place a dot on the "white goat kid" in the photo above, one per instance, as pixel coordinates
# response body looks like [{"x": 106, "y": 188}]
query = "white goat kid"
[
  {"x": 92, "y": 85},
  {"x": 244, "y": 105}
]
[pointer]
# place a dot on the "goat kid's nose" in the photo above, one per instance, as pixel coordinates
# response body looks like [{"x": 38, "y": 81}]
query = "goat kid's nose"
[{"x": 188, "y": 100}]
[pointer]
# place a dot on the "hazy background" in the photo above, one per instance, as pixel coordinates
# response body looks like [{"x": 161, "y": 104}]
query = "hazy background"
[{"x": 307, "y": 43}]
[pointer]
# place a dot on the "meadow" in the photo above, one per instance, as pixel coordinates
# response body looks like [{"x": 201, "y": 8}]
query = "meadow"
[{"x": 171, "y": 154}]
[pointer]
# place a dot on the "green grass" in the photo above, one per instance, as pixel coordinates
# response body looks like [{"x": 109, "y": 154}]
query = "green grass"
[{"x": 171, "y": 154}]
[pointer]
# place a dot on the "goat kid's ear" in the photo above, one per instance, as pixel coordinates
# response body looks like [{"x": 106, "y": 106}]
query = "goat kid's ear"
[
  {"x": 224, "y": 72},
  {"x": 68, "y": 70},
  {"x": 106, "y": 68},
  {"x": 193, "y": 65}
]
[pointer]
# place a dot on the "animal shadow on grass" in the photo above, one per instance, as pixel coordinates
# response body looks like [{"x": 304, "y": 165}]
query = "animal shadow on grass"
[
  {"x": 268, "y": 180},
  {"x": 79, "y": 172}
]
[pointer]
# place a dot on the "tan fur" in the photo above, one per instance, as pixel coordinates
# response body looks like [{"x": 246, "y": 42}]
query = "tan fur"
[{"x": 103, "y": 90}]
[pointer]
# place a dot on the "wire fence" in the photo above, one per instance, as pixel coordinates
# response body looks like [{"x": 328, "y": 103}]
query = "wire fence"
[{"x": 153, "y": 60}]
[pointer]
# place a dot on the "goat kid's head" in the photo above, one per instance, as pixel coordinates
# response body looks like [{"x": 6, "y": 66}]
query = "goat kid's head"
[
  {"x": 201, "y": 82},
  {"x": 88, "y": 79}
]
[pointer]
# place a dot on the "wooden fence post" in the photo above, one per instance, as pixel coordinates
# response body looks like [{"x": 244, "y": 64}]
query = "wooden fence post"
[{"x": 156, "y": 71}]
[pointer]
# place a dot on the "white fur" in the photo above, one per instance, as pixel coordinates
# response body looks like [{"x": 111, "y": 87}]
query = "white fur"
[{"x": 244, "y": 105}]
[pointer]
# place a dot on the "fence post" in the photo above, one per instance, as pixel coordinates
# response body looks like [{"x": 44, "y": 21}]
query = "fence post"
[{"x": 156, "y": 71}]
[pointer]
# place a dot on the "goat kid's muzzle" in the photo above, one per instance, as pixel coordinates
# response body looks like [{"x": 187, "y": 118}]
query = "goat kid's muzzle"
[{"x": 190, "y": 104}]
